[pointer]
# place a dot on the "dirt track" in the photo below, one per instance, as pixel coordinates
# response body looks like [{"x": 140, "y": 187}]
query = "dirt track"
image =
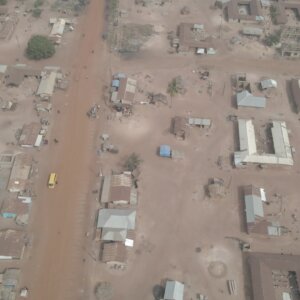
[{"x": 55, "y": 267}]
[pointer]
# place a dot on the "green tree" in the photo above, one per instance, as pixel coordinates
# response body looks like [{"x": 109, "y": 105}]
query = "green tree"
[
  {"x": 173, "y": 89},
  {"x": 272, "y": 39},
  {"x": 3, "y": 2},
  {"x": 40, "y": 47}
]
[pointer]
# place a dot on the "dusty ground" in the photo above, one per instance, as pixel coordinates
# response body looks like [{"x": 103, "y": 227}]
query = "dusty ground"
[{"x": 181, "y": 233}]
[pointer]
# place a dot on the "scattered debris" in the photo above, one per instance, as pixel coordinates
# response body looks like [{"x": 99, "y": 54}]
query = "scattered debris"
[
  {"x": 216, "y": 188},
  {"x": 92, "y": 112}
]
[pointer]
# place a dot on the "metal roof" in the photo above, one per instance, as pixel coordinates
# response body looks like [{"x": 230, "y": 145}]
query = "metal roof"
[
  {"x": 47, "y": 84},
  {"x": 165, "y": 151},
  {"x": 116, "y": 218},
  {"x": 245, "y": 98},
  {"x": 252, "y": 31},
  {"x": 58, "y": 27},
  {"x": 248, "y": 152},
  {"x": 254, "y": 208},
  {"x": 268, "y": 83},
  {"x": 199, "y": 122},
  {"x": 174, "y": 290}
]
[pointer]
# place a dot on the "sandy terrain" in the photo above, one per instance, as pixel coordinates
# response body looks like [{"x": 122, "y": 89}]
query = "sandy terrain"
[{"x": 181, "y": 233}]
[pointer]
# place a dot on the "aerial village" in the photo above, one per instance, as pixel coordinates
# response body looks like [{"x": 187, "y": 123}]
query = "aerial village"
[{"x": 188, "y": 181}]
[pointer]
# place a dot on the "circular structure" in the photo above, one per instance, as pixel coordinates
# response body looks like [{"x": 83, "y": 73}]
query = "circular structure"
[{"x": 217, "y": 269}]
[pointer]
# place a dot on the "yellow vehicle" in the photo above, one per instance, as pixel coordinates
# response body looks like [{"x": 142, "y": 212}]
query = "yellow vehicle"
[{"x": 52, "y": 180}]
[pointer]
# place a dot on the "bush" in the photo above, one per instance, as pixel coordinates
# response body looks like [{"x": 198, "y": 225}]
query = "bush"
[
  {"x": 38, "y": 3},
  {"x": 3, "y": 2},
  {"x": 36, "y": 12},
  {"x": 272, "y": 39},
  {"x": 39, "y": 47},
  {"x": 132, "y": 162}
]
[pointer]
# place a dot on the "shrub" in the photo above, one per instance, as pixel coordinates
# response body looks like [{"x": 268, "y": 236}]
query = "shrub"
[
  {"x": 132, "y": 162},
  {"x": 36, "y": 12},
  {"x": 272, "y": 39},
  {"x": 3, "y": 2},
  {"x": 39, "y": 47},
  {"x": 38, "y": 3}
]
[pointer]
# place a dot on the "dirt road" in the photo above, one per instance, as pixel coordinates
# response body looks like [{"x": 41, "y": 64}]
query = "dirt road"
[{"x": 55, "y": 267}]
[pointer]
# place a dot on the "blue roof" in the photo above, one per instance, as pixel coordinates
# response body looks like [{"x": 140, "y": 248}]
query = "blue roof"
[
  {"x": 115, "y": 83},
  {"x": 165, "y": 151}
]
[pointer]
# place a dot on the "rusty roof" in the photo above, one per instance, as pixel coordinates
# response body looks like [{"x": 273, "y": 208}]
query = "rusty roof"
[
  {"x": 295, "y": 89},
  {"x": 114, "y": 252},
  {"x": 15, "y": 75},
  {"x": 29, "y": 134},
  {"x": 12, "y": 243},
  {"x": 261, "y": 267},
  {"x": 281, "y": 6},
  {"x": 232, "y": 9},
  {"x": 20, "y": 172},
  {"x": 14, "y": 206},
  {"x": 127, "y": 90}
]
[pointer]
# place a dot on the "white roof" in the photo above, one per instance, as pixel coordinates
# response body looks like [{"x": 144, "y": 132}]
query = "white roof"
[
  {"x": 245, "y": 98},
  {"x": 254, "y": 208},
  {"x": 3, "y": 68},
  {"x": 199, "y": 122},
  {"x": 174, "y": 290},
  {"x": 47, "y": 84},
  {"x": 58, "y": 27},
  {"x": 268, "y": 83},
  {"x": 248, "y": 152},
  {"x": 116, "y": 218}
]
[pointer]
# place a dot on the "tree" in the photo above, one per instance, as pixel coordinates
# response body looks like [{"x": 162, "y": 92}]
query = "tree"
[
  {"x": 173, "y": 88},
  {"x": 36, "y": 12},
  {"x": 3, "y": 2},
  {"x": 132, "y": 162},
  {"x": 272, "y": 39},
  {"x": 40, "y": 47}
]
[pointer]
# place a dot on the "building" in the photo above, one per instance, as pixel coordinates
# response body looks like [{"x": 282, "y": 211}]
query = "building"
[
  {"x": 15, "y": 74},
  {"x": 114, "y": 253},
  {"x": 256, "y": 221},
  {"x": 9, "y": 280},
  {"x": 124, "y": 90},
  {"x": 179, "y": 128},
  {"x": 273, "y": 276},
  {"x": 247, "y": 145},
  {"x": 174, "y": 290},
  {"x": 165, "y": 151},
  {"x": 57, "y": 31},
  {"x": 199, "y": 122},
  {"x": 252, "y": 31},
  {"x": 116, "y": 224},
  {"x": 29, "y": 135},
  {"x": 268, "y": 84},
  {"x": 290, "y": 41},
  {"x": 17, "y": 209},
  {"x": 11, "y": 244},
  {"x": 280, "y": 7},
  {"x": 243, "y": 11},
  {"x": 47, "y": 85},
  {"x": 295, "y": 91},
  {"x": 118, "y": 190},
  {"x": 192, "y": 37},
  {"x": 20, "y": 172},
  {"x": 246, "y": 99}
]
